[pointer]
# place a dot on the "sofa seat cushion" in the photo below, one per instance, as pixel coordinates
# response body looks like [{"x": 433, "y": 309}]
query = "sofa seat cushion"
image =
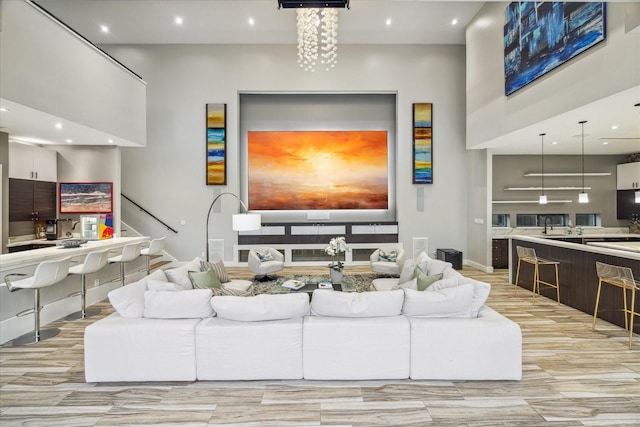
[
  {"x": 193, "y": 304},
  {"x": 338, "y": 348},
  {"x": 238, "y": 284},
  {"x": 488, "y": 347},
  {"x": 326, "y": 302},
  {"x": 118, "y": 348},
  {"x": 261, "y": 307},
  {"x": 232, "y": 350},
  {"x": 448, "y": 302}
]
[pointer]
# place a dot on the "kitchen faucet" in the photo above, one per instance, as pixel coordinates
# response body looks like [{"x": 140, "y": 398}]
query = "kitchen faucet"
[{"x": 545, "y": 224}]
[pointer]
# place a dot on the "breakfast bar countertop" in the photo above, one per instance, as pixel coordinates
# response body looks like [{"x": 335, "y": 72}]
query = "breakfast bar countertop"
[
  {"x": 623, "y": 246},
  {"x": 35, "y": 256}
]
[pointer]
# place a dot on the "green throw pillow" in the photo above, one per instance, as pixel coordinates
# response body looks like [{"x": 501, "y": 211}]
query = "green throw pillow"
[
  {"x": 204, "y": 280},
  {"x": 425, "y": 281}
]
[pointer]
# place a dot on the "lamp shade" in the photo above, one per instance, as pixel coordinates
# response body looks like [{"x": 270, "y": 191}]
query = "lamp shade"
[
  {"x": 246, "y": 222},
  {"x": 583, "y": 198}
]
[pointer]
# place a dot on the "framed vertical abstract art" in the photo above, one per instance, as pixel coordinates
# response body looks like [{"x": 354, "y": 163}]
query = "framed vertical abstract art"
[
  {"x": 422, "y": 143},
  {"x": 216, "y": 144}
]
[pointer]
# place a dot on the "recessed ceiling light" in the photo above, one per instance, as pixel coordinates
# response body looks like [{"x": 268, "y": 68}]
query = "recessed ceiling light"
[
  {"x": 554, "y": 143},
  {"x": 110, "y": 141},
  {"x": 4, "y": 109},
  {"x": 69, "y": 141},
  {"x": 178, "y": 20},
  {"x": 614, "y": 127},
  {"x": 104, "y": 28},
  {"x": 454, "y": 21},
  {"x": 252, "y": 22},
  {"x": 58, "y": 125},
  {"x": 388, "y": 22},
  {"x": 605, "y": 142}
]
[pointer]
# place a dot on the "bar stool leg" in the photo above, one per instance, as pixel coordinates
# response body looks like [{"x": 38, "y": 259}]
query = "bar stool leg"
[
  {"x": 148, "y": 263},
  {"x": 595, "y": 310},
  {"x": 632, "y": 315},
  {"x": 37, "y": 334},
  {"x": 122, "y": 273},
  {"x": 557, "y": 284},
  {"x": 536, "y": 282},
  {"x": 517, "y": 276},
  {"x": 624, "y": 299},
  {"x": 84, "y": 312}
]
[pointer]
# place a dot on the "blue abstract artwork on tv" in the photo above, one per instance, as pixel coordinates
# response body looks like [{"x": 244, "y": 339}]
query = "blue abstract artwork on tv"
[{"x": 540, "y": 36}]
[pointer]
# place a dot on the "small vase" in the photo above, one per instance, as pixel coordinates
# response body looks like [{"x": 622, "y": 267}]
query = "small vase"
[{"x": 336, "y": 275}]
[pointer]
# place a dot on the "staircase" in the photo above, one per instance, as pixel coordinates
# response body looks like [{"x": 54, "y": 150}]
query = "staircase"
[{"x": 162, "y": 261}]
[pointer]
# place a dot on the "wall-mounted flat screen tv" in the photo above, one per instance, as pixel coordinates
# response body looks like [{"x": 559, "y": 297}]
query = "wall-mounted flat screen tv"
[{"x": 318, "y": 170}]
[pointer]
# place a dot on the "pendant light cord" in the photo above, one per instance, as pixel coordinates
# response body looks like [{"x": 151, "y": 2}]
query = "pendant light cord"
[
  {"x": 542, "y": 159},
  {"x": 582, "y": 123}
]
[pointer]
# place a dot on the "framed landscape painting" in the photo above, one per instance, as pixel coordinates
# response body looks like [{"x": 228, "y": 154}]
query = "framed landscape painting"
[
  {"x": 216, "y": 144},
  {"x": 422, "y": 143},
  {"x": 540, "y": 36},
  {"x": 318, "y": 170},
  {"x": 86, "y": 197}
]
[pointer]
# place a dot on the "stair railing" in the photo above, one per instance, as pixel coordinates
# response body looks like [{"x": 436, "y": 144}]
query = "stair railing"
[{"x": 149, "y": 213}]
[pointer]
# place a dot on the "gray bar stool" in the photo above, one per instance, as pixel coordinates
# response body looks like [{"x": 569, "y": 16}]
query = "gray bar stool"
[
  {"x": 93, "y": 262},
  {"x": 129, "y": 253},
  {"x": 155, "y": 247},
  {"x": 47, "y": 273}
]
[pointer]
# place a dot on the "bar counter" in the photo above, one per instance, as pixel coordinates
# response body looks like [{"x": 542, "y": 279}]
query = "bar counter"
[
  {"x": 56, "y": 300},
  {"x": 577, "y": 274}
]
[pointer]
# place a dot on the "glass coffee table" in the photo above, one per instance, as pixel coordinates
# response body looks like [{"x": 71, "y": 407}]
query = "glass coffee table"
[{"x": 311, "y": 284}]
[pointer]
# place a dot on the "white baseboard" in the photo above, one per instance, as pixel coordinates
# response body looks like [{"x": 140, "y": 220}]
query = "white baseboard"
[{"x": 481, "y": 267}]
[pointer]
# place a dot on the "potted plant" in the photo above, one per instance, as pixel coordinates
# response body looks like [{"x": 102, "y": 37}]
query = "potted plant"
[{"x": 337, "y": 245}]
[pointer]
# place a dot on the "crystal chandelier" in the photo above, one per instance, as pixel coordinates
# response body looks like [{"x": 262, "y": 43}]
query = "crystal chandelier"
[{"x": 317, "y": 38}]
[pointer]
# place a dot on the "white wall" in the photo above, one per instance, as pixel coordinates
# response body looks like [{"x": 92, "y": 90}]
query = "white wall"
[
  {"x": 606, "y": 69},
  {"x": 168, "y": 176},
  {"x": 49, "y": 69}
]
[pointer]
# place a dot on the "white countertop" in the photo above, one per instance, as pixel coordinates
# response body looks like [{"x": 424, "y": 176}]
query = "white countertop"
[
  {"x": 36, "y": 256},
  {"x": 623, "y": 246},
  {"x": 622, "y": 253}
]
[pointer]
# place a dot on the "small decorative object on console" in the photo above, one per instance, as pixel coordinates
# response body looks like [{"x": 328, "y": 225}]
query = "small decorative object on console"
[{"x": 325, "y": 285}]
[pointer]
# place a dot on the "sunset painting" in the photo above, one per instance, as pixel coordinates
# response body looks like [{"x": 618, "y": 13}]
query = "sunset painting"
[
  {"x": 422, "y": 144},
  {"x": 318, "y": 170},
  {"x": 216, "y": 133}
]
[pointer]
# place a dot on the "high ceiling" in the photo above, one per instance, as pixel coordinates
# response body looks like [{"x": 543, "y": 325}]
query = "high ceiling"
[{"x": 366, "y": 22}]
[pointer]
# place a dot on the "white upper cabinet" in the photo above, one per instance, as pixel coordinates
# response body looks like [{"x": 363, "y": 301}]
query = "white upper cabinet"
[
  {"x": 28, "y": 162},
  {"x": 629, "y": 176}
]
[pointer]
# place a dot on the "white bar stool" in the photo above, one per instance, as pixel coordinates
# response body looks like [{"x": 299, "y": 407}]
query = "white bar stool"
[
  {"x": 47, "y": 273},
  {"x": 155, "y": 247},
  {"x": 93, "y": 262},
  {"x": 129, "y": 253}
]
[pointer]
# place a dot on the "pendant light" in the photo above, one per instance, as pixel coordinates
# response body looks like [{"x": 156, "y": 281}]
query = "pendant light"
[
  {"x": 543, "y": 197},
  {"x": 583, "y": 197}
]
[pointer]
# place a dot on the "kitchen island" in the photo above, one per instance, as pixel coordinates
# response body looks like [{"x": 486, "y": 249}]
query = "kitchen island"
[
  {"x": 577, "y": 273},
  {"x": 56, "y": 300}
]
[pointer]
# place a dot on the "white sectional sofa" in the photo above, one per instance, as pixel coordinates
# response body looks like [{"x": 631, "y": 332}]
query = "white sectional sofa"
[{"x": 187, "y": 335}]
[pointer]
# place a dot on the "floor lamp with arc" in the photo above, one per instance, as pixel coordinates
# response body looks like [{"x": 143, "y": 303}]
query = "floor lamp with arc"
[{"x": 240, "y": 222}]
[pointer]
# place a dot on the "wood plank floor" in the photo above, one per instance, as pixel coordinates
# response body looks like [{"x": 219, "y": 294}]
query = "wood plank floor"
[{"x": 571, "y": 377}]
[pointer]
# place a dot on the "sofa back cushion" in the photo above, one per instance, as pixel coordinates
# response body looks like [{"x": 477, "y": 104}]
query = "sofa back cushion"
[
  {"x": 326, "y": 302},
  {"x": 480, "y": 290},
  {"x": 191, "y": 304},
  {"x": 448, "y": 302},
  {"x": 261, "y": 307},
  {"x": 128, "y": 300},
  {"x": 180, "y": 275}
]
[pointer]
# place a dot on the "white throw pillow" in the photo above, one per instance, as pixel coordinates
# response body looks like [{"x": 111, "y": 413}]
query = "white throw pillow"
[
  {"x": 160, "y": 285},
  {"x": 192, "y": 304},
  {"x": 326, "y": 302},
  {"x": 408, "y": 268},
  {"x": 481, "y": 290},
  {"x": 450, "y": 302},
  {"x": 261, "y": 307},
  {"x": 180, "y": 275},
  {"x": 129, "y": 300},
  {"x": 422, "y": 260},
  {"x": 435, "y": 266}
]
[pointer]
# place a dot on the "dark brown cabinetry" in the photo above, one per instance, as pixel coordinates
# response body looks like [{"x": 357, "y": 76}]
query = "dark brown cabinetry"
[
  {"x": 31, "y": 200},
  {"x": 626, "y": 204},
  {"x": 500, "y": 253}
]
